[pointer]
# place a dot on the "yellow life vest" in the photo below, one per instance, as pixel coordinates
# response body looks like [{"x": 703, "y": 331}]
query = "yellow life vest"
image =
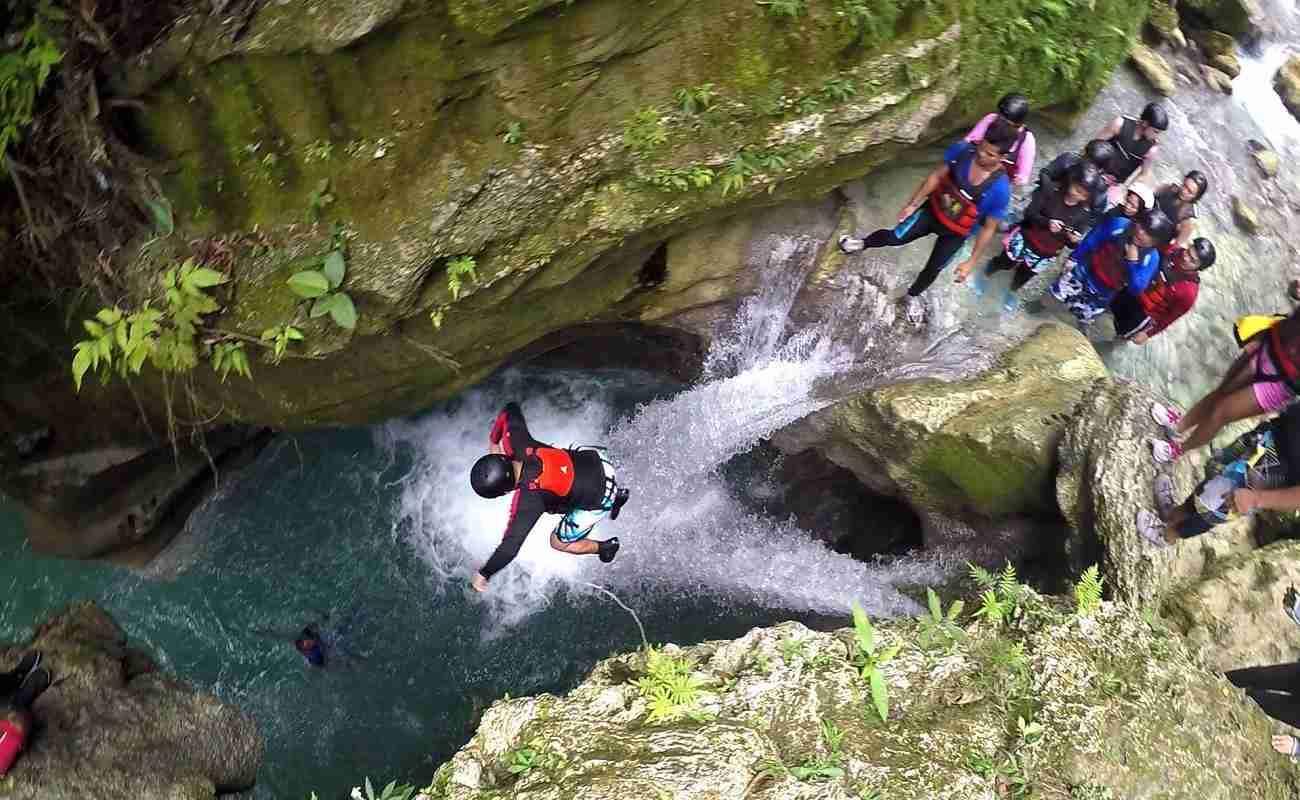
[{"x": 1251, "y": 325}]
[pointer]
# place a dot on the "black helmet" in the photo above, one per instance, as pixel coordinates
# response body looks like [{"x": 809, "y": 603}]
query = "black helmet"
[
  {"x": 1204, "y": 251},
  {"x": 1155, "y": 116},
  {"x": 1161, "y": 228},
  {"x": 1100, "y": 152},
  {"x": 1014, "y": 108},
  {"x": 1085, "y": 174},
  {"x": 492, "y": 475}
]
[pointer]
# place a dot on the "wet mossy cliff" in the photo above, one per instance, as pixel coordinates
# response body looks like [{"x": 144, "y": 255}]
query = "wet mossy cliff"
[{"x": 542, "y": 139}]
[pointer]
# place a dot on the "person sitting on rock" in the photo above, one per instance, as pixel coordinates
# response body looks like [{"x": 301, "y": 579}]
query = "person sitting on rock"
[
  {"x": 1012, "y": 109},
  {"x": 1117, "y": 256},
  {"x": 1137, "y": 143},
  {"x": 25, "y": 683},
  {"x": 1178, "y": 201},
  {"x": 1263, "y": 378},
  {"x": 1259, "y": 470},
  {"x": 1099, "y": 153},
  {"x": 1056, "y": 218},
  {"x": 1170, "y": 295},
  {"x": 578, "y": 483},
  {"x": 969, "y": 189}
]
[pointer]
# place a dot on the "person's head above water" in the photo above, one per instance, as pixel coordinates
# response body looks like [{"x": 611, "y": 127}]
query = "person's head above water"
[
  {"x": 308, "y": 645},
  {"x": 492, "y": 475},
  {"x": 1014, "y": 108}
]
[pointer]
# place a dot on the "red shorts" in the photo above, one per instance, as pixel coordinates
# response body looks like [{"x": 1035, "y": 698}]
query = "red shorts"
[{"x": 11, "y": 744}]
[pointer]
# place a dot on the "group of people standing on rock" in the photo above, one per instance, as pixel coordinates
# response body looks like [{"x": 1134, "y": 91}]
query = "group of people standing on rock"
[{"x": 1131, "y": 248}]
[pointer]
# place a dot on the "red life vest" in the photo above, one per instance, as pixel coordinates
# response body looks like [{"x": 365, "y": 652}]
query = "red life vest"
[
  {"x": 557, "y": 470},
  {"x": 956, "y": 202},
  {"x": 1283, "y": 344},
  {"x": 1159, "y": 295},
  {"x": 1108, "y": 265}
]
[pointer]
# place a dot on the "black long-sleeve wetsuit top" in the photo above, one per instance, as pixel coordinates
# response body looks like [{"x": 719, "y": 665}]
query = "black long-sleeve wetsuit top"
[
  {"x": 1056, "y": 173},
  {"x": 528, "y": 504}
]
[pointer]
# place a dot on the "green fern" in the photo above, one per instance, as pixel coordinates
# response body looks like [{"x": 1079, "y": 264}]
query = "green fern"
[
  {"x": 1087, "y": 592},
  {"x": 670, "y": 685}
]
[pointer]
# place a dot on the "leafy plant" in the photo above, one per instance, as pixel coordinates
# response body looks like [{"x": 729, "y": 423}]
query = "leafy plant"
[
  {"x": 458, "y": 268},
  {"x": 793, "y": 648},
  {"x": 782, "y": 8},
  {"x": 870, "y": 19},
  {"x": 1002, "y": 593},
  {"x": 392, "y": 791},
  {"x": 122, "y": 342},
  {"x": 436, "y": 315},
  {"x": 1087, "y": 592},
  {"x": 743, "y": 165},
  {"x": 278, "y": 338},
  {"x": 513, "y": 134},
  {"x": 319, "y": 199},
  {"x": 24, "y": 71},
  {"x": 827, "y": 767},
  {"x": 695, "y": 99},
  {"x": 939, "y": 629},
  {"x": 164, "y": 221},
  {"x": 837, "y": 90},
  {"x": 321, "y": 286},
  {"x": 645, "y": 130},
  {"x": 681, "y": 180},
  {"x": 523, "y": 760},
  {"x": 869, "y": 659},
  {"x": 230, "y": 357},
  {"x": 669, "y": 684},
  {"x": 319, "y": 150},
  {"x": 1029, "y": 731}
]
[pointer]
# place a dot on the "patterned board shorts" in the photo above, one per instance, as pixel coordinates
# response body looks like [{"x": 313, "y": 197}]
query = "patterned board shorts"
[
  {"x": 1250, "y": 462},
  {"x": 578, "y": 523},
  {"x": 1019, "y": 251},
  {"x": 1072, "y": 290}
]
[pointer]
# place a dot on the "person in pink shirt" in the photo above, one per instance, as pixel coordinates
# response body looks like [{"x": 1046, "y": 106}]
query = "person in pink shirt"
[{"x": 1020, "y": 161}]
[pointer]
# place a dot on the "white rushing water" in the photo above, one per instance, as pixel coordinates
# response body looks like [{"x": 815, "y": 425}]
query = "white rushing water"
[{"x": 685, "y": 530}]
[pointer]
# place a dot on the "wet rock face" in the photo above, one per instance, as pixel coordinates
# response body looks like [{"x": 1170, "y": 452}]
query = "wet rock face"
[
  {"x": 1287, "y": 83},
  {"x": 1154, "y": 68},
  {"x": 985, "y": 445},
  {"x": 1099, "y": 687},
  {"x": 113, "y": 728}
]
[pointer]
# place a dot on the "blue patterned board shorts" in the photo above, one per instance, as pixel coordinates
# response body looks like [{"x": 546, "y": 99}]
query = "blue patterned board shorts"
[
  {"x": 1020, "y": 252},
  {"x": 578, "y": 523},
  {"x": 1250, "y": 462},
  {"x": 1072, "y": 290}
]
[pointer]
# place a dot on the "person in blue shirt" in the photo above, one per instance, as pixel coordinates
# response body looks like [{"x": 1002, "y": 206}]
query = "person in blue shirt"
[
  {"x": 969, "y": 189},
  {"x": 1119, "y": 255}
]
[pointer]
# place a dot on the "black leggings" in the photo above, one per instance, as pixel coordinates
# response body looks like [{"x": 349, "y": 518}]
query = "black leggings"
[
  {"x": 946, "y": 246},
  {"x": 1275, "y": 689},
  {"x": 1003, "y": 261}
]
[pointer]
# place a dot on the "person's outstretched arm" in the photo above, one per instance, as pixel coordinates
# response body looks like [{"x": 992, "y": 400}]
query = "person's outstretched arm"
[
  {"x": 509, "y": 432},
  {"x": 525, "y": 509},
  {"x": 1247, "y": 500}
]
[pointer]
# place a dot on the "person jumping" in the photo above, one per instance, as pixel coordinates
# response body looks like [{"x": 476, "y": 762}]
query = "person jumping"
[
  {"x": 970, "y": 188},
  {"x": 578, "y": 483}
]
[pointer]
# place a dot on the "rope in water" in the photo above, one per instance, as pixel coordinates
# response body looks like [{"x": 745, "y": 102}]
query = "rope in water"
[{"x": 644, "y": 642}]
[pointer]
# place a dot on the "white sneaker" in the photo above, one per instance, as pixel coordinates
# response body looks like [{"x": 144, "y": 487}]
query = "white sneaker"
[
  {"x": 1164, "y": 494},
  {"x": 1151, "y": 528},
  {"x": 1166, "y": 417},
  {"x": 851, "y": 244},
  {"x": 1165, "y": 452},
  {"x": 915, "y": 307}
]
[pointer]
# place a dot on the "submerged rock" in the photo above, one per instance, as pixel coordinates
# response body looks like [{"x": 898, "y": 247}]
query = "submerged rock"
[
  {"x": 1245, "y": 216},
  {"x": 1287, "y": 83},
  {"x": 113, "y": 728},
  {"x": 1053, "y": 704}
]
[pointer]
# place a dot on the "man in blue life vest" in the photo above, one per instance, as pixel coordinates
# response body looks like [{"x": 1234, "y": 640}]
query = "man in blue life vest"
[
  {"x": 969, "y": 189},
  {"x": 578, "y": 483}
]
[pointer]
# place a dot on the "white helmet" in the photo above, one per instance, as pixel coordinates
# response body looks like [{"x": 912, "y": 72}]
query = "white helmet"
[{"x": 1144, "y": 191}]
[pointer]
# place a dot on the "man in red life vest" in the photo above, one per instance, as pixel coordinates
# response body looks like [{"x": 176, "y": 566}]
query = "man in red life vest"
[
  {"x": 578, "y": 483},
  {"x": 969, "y": 190},
  {"x": 25, "y": 683},
  {"x": 1169, "y": 295}
]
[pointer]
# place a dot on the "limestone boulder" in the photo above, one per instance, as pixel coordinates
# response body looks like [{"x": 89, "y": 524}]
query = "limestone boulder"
[
  {"x": 1231, "y": 614},
  {"x": 1245, "y": 215},
  {"x": 1267, "y": 161},
  {"x": 1216, "y": 79},
  {"x": 1108, "y": 704},
  {"x": 1287, "y": 83},
  {"x": 1153, "y": 67},
  {"x": 1163, "y": 19},
  {"x": 1239, "y": 18},
  {"x": 1215, "y": 43},
  {"x": 985, "y": 445},
  {"x": 1226, "y": 63},
  {"x": 114, "y": 728}
]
